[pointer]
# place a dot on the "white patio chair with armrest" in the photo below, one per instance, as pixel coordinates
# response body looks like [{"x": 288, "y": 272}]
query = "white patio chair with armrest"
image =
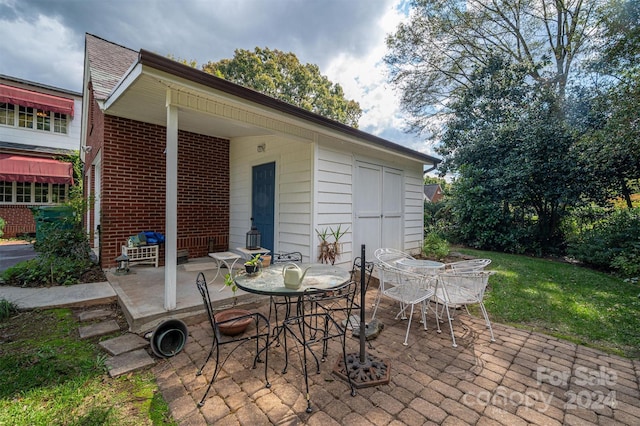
[
  {"x": 409, "y": 289},
  {"x": 462, "y": 288},
  {"x": 470, "y": 265},
  {"x": 387, "y": 257}
]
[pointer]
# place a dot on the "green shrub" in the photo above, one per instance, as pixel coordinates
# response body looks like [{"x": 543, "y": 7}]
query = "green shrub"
[
  {"x": 2, "y": 223},
  {"x": 612, "y": 243},
  {"x": 435, "y": 246},
  {"x": 7, "y": 309},
  {"x": 63, "y": 257}
]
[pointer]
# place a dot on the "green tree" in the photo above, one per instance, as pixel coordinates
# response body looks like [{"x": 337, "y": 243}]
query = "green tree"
[
  {"x": 518, "y": 170},
  {"x": 611, "y": 143},
  {"x": 435, "y": 52},
  {"x": 282, "y": 76}
]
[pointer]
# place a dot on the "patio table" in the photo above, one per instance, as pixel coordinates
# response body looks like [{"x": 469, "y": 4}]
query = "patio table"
[{"x": 270, "y": 282}]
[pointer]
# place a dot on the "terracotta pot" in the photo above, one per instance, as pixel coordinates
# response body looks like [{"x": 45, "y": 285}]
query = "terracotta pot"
[
  {"x": 233, "y": 328},
  {"x": 266, "y": 260}
]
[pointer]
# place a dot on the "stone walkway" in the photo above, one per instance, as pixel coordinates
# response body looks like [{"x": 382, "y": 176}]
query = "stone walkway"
[{"x": 522, "y": 378}]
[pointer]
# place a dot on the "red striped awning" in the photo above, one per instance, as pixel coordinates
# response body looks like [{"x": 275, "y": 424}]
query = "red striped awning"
[
  {"x": 28, "y": 98},
  {"x": 15, "y": 168}
]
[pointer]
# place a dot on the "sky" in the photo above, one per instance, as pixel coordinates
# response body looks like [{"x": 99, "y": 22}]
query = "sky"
[{"x": 43, "y": 41}]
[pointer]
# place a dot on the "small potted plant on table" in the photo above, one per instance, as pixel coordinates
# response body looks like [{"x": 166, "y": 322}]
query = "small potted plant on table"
[
  {"x": 232, "y": 328},
  {"x": 252, "y": 266}
]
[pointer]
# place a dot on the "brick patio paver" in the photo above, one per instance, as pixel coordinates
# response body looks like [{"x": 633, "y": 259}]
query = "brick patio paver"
[{"x": 522, "y": 378}]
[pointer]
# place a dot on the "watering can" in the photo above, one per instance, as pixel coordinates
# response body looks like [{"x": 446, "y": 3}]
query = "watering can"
[{"x": 293, "y": 275}]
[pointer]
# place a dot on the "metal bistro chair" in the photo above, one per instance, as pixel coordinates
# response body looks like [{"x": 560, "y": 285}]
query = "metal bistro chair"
[
  {"x": 311, "y": 326},
  {"x": 462, "y": 289},
  {"x": 326, "y": 302},
  {"x": 410, "y": 289},
  {"x": 470, "y": 265},
  {"x": 387, "y": 258},
  {"x": 275, "y": 302},
  {"x": 261, "y": 332}
]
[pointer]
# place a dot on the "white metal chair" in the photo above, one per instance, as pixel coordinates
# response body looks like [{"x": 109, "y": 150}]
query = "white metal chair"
[
  {"x": 409, "y": 289},
  {"x": 462, "y": 288},
  {"x": 471, "y": 265},
  {"x": 387, "y": 257}
]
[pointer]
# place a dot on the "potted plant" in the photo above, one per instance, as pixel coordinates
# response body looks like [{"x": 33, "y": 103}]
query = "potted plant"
[
  {"x": 253, "y": 265},
  {"x": 330, "y": 251},
  {"x": 232, "y": 328}
]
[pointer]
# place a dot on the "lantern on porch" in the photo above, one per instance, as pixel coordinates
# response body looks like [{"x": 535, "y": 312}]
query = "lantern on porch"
[
  {"x": 123, "y": 264},
  {"x": 253, "y": 238}
]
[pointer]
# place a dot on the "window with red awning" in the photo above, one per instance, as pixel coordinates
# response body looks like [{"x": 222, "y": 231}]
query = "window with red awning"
[
  {"x": 16, "y": 168},
  {"x": 28, "y": 98}
]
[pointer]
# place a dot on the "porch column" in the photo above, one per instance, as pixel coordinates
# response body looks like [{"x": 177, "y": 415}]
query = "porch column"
[{"x": 171, "y": 208}]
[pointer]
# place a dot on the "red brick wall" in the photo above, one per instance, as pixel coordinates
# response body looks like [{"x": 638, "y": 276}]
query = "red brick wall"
[
  {"x": 18, "y": 220},
  {"x": 133, "y": 188}
]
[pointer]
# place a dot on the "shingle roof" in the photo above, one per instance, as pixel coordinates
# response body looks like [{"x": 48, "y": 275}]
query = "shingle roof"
[{"x": 108, "y": 63}]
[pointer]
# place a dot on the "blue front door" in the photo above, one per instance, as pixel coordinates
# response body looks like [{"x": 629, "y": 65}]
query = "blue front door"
[{"x": 262, "y": 202}]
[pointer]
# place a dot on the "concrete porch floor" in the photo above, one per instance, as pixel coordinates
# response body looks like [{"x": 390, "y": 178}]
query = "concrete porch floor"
[{"x": 141, "y": 294}]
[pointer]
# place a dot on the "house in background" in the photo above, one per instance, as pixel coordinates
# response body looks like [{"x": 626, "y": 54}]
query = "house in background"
[
  {"x": 37, "y": 124},
  {"x": 433, "y": 193},
  {"x": 171, "y": 149}
]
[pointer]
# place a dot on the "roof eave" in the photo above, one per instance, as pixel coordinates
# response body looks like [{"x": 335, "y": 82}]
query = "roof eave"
[{"x": 177, "y": 69}]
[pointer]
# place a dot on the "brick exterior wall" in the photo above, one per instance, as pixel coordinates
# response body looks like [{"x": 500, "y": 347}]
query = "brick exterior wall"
[
  {"x": 18, "y": 220},
  {"x": 133, "y": 186}
]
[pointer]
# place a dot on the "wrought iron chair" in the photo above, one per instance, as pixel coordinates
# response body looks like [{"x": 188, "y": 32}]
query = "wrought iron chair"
[
  {"x": 326, "y": 302},
  {"x": 261, "y": 332},
  {"x": 462, "y": 289},
  {"x": 294, "y": 256},
  {"x": 409, "y": 289},
  {"x": 277, "y": 302},
  {"x": 311, "y": 326}
]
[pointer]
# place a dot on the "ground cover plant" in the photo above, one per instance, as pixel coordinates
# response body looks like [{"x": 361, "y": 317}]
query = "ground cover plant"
[
  {"x": 565, "y": 300},
  {"x": 50, "y": 376}
]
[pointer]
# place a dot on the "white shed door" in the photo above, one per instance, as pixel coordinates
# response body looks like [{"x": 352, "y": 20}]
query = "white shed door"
[{"x": 378, "y": 208}]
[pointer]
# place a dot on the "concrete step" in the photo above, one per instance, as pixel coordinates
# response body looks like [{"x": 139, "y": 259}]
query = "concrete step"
[
  {"x": 98, "y": 329},
  {"x": 128, "y": 362},
  {"x": 95, "y": 314},
  {"x": 125, "y": 343}
]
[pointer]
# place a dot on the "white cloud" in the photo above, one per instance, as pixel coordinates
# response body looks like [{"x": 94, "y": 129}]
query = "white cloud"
[{"x": 45, "y": 51}]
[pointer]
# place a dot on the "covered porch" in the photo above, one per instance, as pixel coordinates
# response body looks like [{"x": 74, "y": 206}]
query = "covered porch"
[{"x": 141, "y": 294}]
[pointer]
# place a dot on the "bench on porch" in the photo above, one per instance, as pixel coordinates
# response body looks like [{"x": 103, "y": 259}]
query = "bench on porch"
[{"x": 147, "y": 255}]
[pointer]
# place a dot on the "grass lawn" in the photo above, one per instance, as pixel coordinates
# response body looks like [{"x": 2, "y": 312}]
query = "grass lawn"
[
  {"x": 564, "y": 300},
  {"x": 48, "y": 376}
]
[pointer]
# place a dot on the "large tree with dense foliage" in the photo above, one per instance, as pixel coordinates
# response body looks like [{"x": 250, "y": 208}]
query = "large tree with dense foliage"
[
  {"x": 436, "y": 51},
  {"x": 518, "y": 172},
  {"x": 611, "y": 142},
  {"x": 282, "y": 76}
]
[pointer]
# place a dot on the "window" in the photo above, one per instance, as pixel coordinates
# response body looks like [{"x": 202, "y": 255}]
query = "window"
[
  {"x": 43, "y": 119},
  {"x": 7, "y": 114},
  {"x": 25, "y": 117},
  {"x": 6, "y": 189},
  {"x": 33, "y": 193},
  {"x": 32, "y": 118},
  {"x": 23, "y": 192},
  {"x": 58, "y": 193},
  {"x": 59, "y": 123},
  {"x": 41, "y": 192}
]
